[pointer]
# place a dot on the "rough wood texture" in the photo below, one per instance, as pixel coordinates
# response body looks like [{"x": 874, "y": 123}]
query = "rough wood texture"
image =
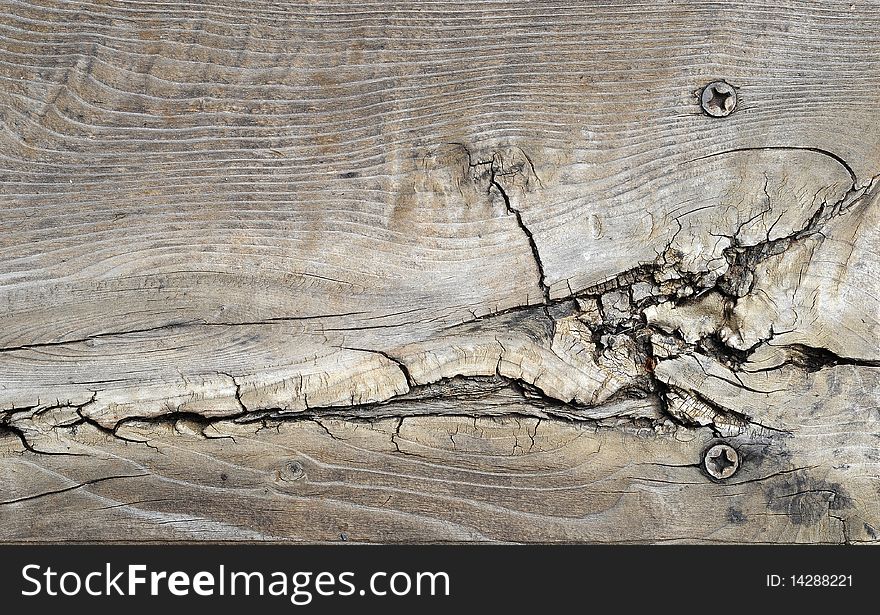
[{"x": 438, "y": 271}]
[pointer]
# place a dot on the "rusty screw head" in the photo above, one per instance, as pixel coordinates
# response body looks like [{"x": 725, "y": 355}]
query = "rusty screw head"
[
  {"x": 721, "y": 461},
  {"x": 718, "y": 99}
]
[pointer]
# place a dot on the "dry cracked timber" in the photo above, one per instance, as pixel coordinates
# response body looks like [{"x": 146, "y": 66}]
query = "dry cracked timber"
[
  {"x": 655, "y": 332},
  {"x": 407, "y": 276}
]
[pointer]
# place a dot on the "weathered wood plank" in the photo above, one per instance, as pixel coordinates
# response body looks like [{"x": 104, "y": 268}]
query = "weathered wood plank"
[{"x": 485, "y": 270}]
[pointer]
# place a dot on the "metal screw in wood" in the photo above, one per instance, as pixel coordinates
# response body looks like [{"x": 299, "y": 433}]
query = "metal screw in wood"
[
  {"x": 721, "y": 461},
  {"x": 718, "y": 99}
]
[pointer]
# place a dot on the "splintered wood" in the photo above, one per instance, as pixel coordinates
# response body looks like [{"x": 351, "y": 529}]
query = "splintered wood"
[{"x": 449, "y": 272}]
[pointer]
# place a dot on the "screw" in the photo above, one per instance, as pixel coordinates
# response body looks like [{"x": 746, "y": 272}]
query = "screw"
[
  {"x": 721, "y": 461},
  {"x": 718, "y": 99}
]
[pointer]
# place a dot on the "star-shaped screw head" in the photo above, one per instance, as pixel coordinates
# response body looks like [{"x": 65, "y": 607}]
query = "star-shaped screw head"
[
  {"x": 718, "y": 99},
  {"x": 721, "y": 461}
]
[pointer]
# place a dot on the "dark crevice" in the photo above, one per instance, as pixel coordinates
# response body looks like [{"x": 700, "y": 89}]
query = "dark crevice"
[
  {"x": 545, "y": 290},
  {"x": 175, "y": 325},
  {"x": 402, "y": 366},
  {"x": 73, "y": 488},
  {"x": 114, "y": 432},
  {"x": 96, "y": 336},
  {"x": 21, "y": 435},
  {"x": 237, "y": 391},
  {"x": 317, "y": 421},
  {"x": 738, "y": 280},
  {"x": 540, "y": 406},
  {"x": 812, "y": 359},
  {"x": 734, "y": 414},
  {"x": 495, "y": 167},
  {"x": 817, "y": 150}
]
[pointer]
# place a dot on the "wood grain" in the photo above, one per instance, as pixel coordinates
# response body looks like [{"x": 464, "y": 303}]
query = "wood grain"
[{"x": 479, "y": 270}]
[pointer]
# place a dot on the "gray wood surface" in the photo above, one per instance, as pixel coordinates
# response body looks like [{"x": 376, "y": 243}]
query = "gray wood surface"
[{"x": 436, "y": 271}]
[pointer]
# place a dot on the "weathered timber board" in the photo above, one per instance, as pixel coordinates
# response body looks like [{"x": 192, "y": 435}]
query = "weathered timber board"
[{"x": 434, "y": 271}]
